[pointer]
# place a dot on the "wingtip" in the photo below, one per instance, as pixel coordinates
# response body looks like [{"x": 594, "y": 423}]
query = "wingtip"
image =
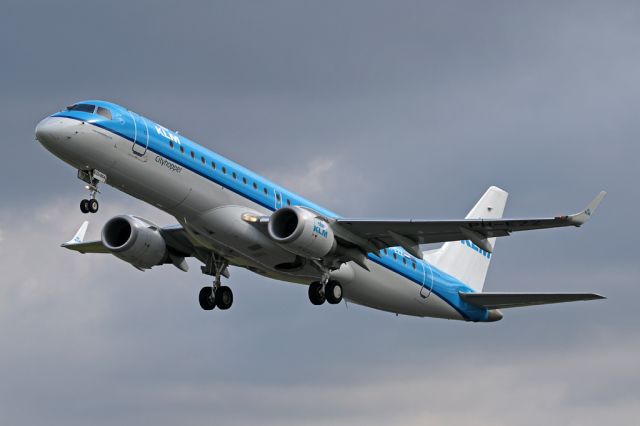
[
  {"x": 79, "y": 236},
  {"x": 582, "y": 217},
  {"x": 596, "y": 201}
]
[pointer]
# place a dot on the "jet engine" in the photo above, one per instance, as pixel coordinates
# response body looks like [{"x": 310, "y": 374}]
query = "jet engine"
[
  {"x": 301, "y": 232},
  {"x": 135, "y": 241}
]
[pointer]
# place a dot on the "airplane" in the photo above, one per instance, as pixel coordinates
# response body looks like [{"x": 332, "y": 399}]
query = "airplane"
[{"x": 230, "y": 216}]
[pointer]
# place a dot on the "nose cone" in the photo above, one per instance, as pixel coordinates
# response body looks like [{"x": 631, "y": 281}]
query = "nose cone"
[
  {"x": 48, "y": 131},
  {"x": 63, "y": 137},
  {"x": 55, "y": 133}
]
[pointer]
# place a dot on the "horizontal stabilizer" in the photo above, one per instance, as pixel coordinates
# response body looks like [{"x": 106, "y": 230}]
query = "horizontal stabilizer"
[{"x": 516, "y": 300}]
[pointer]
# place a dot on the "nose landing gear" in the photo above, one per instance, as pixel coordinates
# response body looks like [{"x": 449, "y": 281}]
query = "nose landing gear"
[
  {"x": 92, "y": 178},
  {"x": 89, "y": 206}
]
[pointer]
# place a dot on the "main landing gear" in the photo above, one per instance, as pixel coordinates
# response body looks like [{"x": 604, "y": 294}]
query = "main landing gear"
[
  {"x": 92, "y": 178},
  {"x": 331, "y": 292},
  {"x": 216, "y": 294},
  {"x": 209, "y": 298}
]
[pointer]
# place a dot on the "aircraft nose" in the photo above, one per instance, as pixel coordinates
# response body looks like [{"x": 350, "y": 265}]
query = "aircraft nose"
[
  {"x": 52, "y": 130},
  {"x": 45, "y": 130}
]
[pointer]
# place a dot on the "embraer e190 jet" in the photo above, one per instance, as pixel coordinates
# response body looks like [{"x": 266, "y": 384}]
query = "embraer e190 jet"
[{"x": 230, "y": 216}]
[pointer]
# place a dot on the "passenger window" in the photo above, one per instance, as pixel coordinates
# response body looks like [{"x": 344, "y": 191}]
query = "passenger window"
[
  {"x": 213, "y": 165},
  {"x": 105, "y": 113},
  {"x": 202, "y": 159},
  {"x": 404, "y": 260},
  {"x": 395, "y": 256},
  {"x": 224, "y": 170},
  {"x": 171, "y": 144},
  {"x": 384, "y": 251},
  {"x": 234, "y": 175},
  {"x": 182, "y": 149},
  {"x": 265, "y": 191},
  {"x": 255, "y": 185},
  {"x": 193, "y": 155},
  {"x": 244, "y": 180},
  {"x": 414, "y": 265},
  {"x": 82, "y": 108},
  {"x": 288, "y": 202},
  {"x": 278, "y": 197}
]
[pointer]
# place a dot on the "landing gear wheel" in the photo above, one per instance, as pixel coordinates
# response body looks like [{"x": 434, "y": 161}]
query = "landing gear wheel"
[
  {"x": 333, "y": 292},
  {"x": 224, "y": 298},
  {"x": 207, "y": 299},
  {"x": 84, "y": 206},
  {"x": 93, "y": 205},
  {"x": 316, "y": 296}
]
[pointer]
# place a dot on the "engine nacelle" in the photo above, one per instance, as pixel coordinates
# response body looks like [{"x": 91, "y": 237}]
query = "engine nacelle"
[
  {"x": 135, "y": 241},
  {"x": 301, "y": 232}
]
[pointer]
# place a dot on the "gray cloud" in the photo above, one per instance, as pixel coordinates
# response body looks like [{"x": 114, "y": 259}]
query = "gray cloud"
[{"x": 374, "y": 109}]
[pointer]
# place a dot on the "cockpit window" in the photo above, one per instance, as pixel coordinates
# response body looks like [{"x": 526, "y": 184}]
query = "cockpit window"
[
  {"x": 104, "y": 112},
  {"x": 82, "y": 108}
]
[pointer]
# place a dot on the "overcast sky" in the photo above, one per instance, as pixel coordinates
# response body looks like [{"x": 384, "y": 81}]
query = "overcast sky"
[{"x": 390, "y": 109}]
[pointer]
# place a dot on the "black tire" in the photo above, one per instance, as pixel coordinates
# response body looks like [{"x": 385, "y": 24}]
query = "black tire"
[
  {"x": 224, "y": 298},
  {"x": 84, "y": 206},
  {"x": 93, "y": 205},
  {"x": 333, "y": 292},
  {"x": 315, "y": 294},
  {"x": 207, "y": 299}
]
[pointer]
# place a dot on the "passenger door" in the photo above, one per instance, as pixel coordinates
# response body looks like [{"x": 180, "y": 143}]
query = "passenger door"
[
  {"x": 140, "y": 134},
  {"x": 427, "y": 280}
]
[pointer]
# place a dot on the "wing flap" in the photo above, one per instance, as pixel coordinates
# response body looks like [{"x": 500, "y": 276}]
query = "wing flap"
[{"x": 516, "y": 300}]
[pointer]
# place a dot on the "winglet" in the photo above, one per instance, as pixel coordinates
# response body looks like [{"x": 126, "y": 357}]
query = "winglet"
[
  {"x": 582, "y": 217},
  {"x": 79, "y": 237}
]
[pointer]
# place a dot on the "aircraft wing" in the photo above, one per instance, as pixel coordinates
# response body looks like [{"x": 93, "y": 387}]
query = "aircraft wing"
[
  {"x": 516, "y": 300},
  {"x": 410, "y": 233},
  {"x": 174, "y": 235},
  {"x": 87, "y": 247},
  {"x": 77, "y": 243}
]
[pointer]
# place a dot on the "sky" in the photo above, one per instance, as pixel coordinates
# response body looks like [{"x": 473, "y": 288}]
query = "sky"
[{"x": 403, "y": 109}]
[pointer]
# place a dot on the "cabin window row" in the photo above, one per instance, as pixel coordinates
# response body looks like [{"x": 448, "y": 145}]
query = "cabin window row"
[
  {"x": 234, "y": 175},
  {"x": 395, "y": 256}
]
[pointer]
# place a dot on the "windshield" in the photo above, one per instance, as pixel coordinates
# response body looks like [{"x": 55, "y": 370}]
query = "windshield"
[
  {"x": 104, "y": 112},
  {"x": 82, "y": 108}
]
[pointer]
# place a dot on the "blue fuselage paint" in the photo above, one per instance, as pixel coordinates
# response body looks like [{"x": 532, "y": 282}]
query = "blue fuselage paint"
[{"x": 175, "y": 152}]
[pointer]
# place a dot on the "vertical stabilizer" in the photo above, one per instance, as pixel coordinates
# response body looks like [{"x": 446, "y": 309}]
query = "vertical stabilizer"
[{"x": 464, "y": 259}]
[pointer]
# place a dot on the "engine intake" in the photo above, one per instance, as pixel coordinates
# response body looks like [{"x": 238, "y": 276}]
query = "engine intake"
[
  {"x": 301, "y": 232},
  {"x": 135, "y": 241}
]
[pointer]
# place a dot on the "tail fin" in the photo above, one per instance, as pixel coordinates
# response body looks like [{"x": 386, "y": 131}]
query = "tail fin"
[{"x": 464, "y": 259}]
